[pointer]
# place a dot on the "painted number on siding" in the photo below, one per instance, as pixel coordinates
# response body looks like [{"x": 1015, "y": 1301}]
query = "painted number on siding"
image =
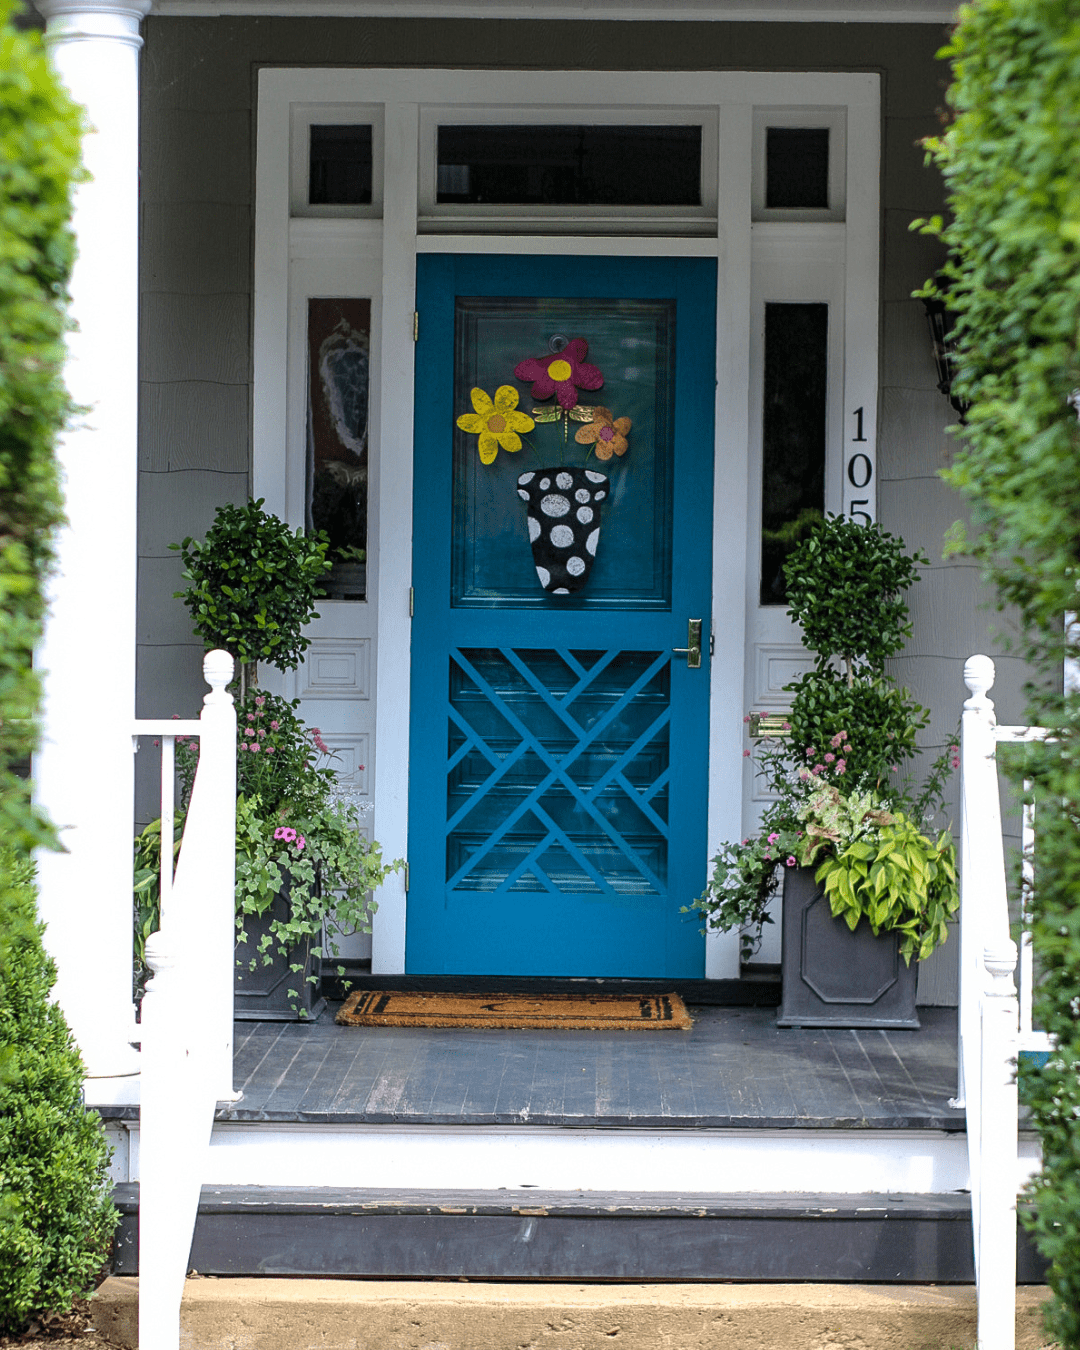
[{"x": 860, "y": 490}]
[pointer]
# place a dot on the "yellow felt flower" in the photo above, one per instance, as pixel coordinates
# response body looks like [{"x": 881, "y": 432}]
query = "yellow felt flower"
[{"x": 496, "y": 423}]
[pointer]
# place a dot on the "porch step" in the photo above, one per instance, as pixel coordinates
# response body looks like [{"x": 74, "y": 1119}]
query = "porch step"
[
  {"x": 544, "y": 1235},
  {"x": 266, "y": 1314}
]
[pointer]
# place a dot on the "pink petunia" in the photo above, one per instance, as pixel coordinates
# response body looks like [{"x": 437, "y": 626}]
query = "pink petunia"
[
  {"x": 300, "y": 842},
  {"x": 279, "y": 833},
  {"x": 791, "y": 860},
  {"x": 560, "y": 372},
  {"x": 772, "y": 838}
]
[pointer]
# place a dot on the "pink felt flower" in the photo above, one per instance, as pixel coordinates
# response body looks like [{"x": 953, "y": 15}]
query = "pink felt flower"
[{"x": 561, "y": 374}]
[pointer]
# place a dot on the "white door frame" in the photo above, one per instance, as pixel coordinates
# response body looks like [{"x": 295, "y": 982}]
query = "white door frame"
[{"x": 403, "y": 95}]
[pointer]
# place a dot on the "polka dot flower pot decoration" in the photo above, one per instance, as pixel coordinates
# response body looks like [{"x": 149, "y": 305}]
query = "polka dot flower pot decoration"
[{"x": 564, "y": 524}]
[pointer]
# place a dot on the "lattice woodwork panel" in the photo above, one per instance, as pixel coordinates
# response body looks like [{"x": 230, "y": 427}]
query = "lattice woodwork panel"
[{"x": 558, "y": 771}]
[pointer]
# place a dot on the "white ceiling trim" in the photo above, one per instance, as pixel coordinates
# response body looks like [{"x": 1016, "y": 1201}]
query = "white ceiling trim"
[{"x": 770, "y": 11}]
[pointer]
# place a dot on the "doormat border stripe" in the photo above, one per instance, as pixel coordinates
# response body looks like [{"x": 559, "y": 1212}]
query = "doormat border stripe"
[{"x": 519, "y": 1012}]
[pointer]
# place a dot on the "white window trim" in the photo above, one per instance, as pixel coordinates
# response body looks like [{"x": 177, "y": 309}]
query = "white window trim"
[{"x": 403, "y": 95}]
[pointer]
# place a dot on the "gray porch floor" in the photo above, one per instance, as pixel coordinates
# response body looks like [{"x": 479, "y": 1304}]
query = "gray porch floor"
[{"x": 735, "y": 1068}]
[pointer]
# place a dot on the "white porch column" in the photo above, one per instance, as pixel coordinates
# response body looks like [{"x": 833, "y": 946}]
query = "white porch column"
[{"x": 84, "y": 773}]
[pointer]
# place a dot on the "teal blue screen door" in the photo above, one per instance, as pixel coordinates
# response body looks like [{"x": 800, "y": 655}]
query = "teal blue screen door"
[{"x": 561, "y": 546}]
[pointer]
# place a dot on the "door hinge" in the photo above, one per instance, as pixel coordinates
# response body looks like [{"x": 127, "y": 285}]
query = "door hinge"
[
  {"x": 406, "y": 874},
  {"x": 712, "y": 643},
  {"x": 416, "y": 325},
  {"x": 412, "y": 603}
]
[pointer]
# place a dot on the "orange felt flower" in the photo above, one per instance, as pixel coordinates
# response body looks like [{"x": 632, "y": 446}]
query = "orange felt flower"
[{"x": 606, "y": 432}]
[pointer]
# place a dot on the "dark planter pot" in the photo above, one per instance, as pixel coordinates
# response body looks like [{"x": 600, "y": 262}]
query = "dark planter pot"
[
  {"x": 263, "y": 994},
  {"x": 564, "y": 523},
  {"x": 833, "y": 977}
]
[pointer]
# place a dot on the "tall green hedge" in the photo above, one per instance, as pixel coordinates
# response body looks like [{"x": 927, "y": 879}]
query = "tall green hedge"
[
  {"x": 39, "y": 158},
  {"x": 1011, "y": 161},
  {"x": 56, "y": 1220}
]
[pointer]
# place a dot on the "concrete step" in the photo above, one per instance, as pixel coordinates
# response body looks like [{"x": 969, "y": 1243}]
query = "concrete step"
[
  {"x": 304, "y": 1314},
  {"x": 585, "y": 1235}
]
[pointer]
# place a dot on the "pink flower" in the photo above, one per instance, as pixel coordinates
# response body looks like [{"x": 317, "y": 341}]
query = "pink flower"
[
  {"x": 558, "y": 373},
  {"x": 746, "y": 841},
  {"x": 262, "y": 733},
  {"x": 285, "y": 832},
  {"x": 819, "y": 769},
  {"x": 251, "y": 717},
  {"x": 810, "y": 752},
  {"x": 768, "y": 857},
  {"x": 772, "y": 838},
  {"x": 955, "y": 762},
  {"x": 746, "y": 754},
  {"x": 847, "y": 749},
  {"x": 804, "y": 774},
  {"x": 274, "y": 726},
  {"x": 785, "y": 726},
  {"x": 829, "y": 757},
  {"x": 841, "y": 766},
  {"x": 254, "y": 747},
  {"x": 157, "y": 742},
  {"x": 791, "y": 860},
  {"x": 837, "y": 740},
  {"x": 746, "y": 719},
  {"x": 300, "y": 842},
  {"x": 894, "y": 768},
  {"x": 259, "y": 701},
  {"x": 269, "y": 749}
]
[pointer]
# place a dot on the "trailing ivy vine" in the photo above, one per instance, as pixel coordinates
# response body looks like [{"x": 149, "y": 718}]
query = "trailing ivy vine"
[{"x": 1010, "y": 162}]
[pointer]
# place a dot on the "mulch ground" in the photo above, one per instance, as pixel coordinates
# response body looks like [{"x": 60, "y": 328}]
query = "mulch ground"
[{"x": 59, "y": 1330}]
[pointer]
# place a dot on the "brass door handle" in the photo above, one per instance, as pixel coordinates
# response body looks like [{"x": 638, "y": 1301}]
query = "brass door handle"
[{"x": 692, "y": 651}]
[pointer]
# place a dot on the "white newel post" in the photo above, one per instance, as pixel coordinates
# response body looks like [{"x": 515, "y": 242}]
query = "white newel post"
[{"x": 84, "y": 773}]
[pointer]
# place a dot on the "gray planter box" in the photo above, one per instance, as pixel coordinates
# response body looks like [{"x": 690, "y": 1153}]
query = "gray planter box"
[
  {"x": 833, "y": 977},
  {"x": 262, "y": 994}
]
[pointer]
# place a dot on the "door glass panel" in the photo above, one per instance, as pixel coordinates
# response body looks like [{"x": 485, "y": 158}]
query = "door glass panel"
[
  {"x": 339, "y": 339},
  {"x": 577, "y": 470},
  {"x": 558, "y": 772},
  {"x": 793, "y": 435},
  {"x": 544, "y": 165}
]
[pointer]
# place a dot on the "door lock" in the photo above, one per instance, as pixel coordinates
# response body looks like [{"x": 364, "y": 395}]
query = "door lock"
[{"x": 692, "y": 650}]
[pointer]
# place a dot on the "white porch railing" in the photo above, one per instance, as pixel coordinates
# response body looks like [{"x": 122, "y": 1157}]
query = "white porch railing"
[
  {"x": 187, "y": 1011},
  {"x": 995, "y": 1025}
]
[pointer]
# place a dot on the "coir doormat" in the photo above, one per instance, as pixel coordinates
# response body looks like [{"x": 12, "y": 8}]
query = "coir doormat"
[{"x": 568, "y": 1012}]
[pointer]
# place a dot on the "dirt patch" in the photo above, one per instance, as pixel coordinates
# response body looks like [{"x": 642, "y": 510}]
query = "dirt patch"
[{"x": 60, "y": 1330}]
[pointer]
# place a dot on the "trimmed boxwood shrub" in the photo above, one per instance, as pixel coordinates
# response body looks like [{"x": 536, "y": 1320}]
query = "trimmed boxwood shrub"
[
  {"x": 1010, "y": 162},
  {"x": 56, "y": 1219}
]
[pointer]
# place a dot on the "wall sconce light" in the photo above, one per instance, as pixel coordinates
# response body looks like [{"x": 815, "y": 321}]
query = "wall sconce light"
[{"x": 942, "y": 321}]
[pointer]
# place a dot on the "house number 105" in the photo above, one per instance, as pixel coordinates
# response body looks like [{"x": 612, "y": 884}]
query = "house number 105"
[{"x": 859, "y": 472}]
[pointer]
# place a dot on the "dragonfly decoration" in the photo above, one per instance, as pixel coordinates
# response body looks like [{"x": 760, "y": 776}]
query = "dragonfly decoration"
[{"x": 578, "y": 413}]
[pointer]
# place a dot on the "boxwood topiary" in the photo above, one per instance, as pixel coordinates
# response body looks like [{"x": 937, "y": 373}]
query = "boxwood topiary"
[{"x": 56, "y": 1219}]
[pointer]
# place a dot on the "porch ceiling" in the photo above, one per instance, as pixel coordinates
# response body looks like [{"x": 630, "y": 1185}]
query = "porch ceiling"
[
  {"x": 787, "y": 11},
  {"x": 735, "y": 1068}
]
